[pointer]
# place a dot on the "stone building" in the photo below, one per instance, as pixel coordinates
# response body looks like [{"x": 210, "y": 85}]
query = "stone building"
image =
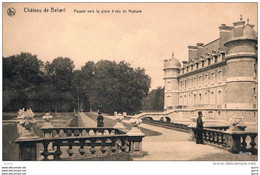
[{"x": 219, "y": 78}]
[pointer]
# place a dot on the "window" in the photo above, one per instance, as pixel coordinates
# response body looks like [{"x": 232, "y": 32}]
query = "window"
[
  {"x": 185, "y": 84},
  {"x": 195, "y": 100},
  {"x": 212, "y": 98},
  {"x": 181, "y": 100},
  {"x": 212, "y": 77},
  {"x": 219, "y": 76},
  {"x": 194, "y": 82},
  {"x": 209, "y": 61},
  {"x": 181, "y": 86},
  {"x": 168, "y": 87},
  {"x": 200, "y": 81},
  {"x": 202, "y": 64},
  {"x": 219, "y": 98},
  {"x": 206, "y": 79}
]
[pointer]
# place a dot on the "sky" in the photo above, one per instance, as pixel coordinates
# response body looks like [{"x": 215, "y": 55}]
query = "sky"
[{"x": 142, "y": 39}]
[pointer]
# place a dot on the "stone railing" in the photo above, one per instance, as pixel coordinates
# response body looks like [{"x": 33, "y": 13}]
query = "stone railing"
[
  {"x": 234, "y": 141},
  {"x": 78, "y": 131},
  {"x": 164, "y": 124},
  {"x": 89, "y": 141}
]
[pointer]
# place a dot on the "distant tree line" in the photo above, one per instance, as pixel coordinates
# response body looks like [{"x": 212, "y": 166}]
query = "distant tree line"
[
  {"x": 55, "y": 86},
  {"x": 154, "y": 101}
]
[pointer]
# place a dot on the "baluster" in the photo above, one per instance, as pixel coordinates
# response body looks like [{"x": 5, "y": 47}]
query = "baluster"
[
  {"x": 81, "y": 149},
  {"x": 102, "y": 131},
  {"x": 207, "y": 136},
  {"x": 218, "y": 138},
  {"x": 58, "y": 152},
  {"x": 103, "y": 148},
  {"x": 203, "y": 135},
  {"x": 113, "y": 147},
  {"x": 253, "y": 144},
  {"x": 62, "y": 132},
  {"x": 70, "y": 150},
  {"x": 109, "y": 131},
  {"x": 80, "y": 131},
  {"x": 45, "y": 152},
  {"x": 215, "y": 137},
  {"x": 58, "y": 132},
  {"x": 76, "y": 133},
  {"x": 211, "y": 137},
  {"x": 95, "y": 131},
  {"x": 92, "y": 149},
  {"x": 87, "y": 130},
  {"x": 244, "y": 144},
  {"x": 123, "y": 146},
  {"x": 68, "y": 133},
  {"x": 221, "y": 138}
]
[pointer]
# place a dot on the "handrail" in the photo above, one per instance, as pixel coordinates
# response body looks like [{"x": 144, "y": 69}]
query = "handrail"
[
  {"x": 114, "y": 141},
  {"x": 228, "y": 139}
]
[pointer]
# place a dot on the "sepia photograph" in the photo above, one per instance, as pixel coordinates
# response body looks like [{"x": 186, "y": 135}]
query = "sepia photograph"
[{"x": 130, "y": 82}]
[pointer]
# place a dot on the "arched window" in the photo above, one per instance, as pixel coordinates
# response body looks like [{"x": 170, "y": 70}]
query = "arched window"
[
  {"x": 212, "y": 77},
  {"x": 181, "y": 101},
  {"x": 212, "y": 98},
  {"x": 219, "y": 98},
  {"x": 200, "y": 98},
  {"x": 206, "y": 79},
  {"x": 220, "y": 76},
  {"x": 195, "y": 100}
]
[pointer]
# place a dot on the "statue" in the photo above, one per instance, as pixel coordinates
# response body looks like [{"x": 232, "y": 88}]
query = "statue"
[
  {"x": 27, "y": 124},
  {"x": 235, "y": 122},
  {"x": 21, "y": 114},
  {"x": 47, "y": 117},
  {"x": 119, "y": 118},
  {"x": 135, "y": 121}
]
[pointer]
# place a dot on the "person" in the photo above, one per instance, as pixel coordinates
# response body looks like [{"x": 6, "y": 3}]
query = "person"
[
  {"x": 199, "y": 128},
  {"x": 100, "y": 119}
]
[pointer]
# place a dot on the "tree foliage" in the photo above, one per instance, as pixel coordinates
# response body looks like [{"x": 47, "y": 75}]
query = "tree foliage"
[
  {"x": 56, "y": 86},
  {"x": 154, "y": 101}
]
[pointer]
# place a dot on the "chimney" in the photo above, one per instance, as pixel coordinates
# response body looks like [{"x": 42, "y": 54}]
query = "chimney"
[
  {"x": 224, "y": 35},
  {"x": 193, "y": 51}
]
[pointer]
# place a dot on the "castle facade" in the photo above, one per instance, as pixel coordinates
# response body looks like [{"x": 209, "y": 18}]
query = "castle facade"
[{"x": 219, "y": 78}]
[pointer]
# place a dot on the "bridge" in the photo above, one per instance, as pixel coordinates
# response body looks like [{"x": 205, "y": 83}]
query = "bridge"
[{"x": 158, "y": 142}]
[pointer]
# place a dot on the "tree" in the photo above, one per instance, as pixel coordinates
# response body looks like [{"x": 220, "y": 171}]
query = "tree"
[
  {"x": 119, "y": 87},
  {"x": 59, "y": 75},
  {"x": 154, "y": 101},
  {"x": 22, "y": 74}
]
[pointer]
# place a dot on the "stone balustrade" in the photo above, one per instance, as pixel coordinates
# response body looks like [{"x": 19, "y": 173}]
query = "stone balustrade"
[
  {"x": 87, "y": 140},
  {"x": 169, "y": 125},
  {"x": 234, "y": 141},
  {"x": 57, "y": 132}
]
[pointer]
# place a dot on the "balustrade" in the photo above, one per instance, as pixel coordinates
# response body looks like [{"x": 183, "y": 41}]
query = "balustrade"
[
  {"x": 234, "y": 141},
  {"x": 87, "y": 140},
  {"x": 78, "y": 131}
]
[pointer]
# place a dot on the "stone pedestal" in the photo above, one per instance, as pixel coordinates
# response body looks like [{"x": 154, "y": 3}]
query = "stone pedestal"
[
  {"x": 119, "y": 118},
  {"x": 136, "y": 137},
  {"x": 27, "y": 151}
]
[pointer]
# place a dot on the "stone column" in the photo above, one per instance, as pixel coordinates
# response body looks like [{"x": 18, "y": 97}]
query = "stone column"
[{"x": 27, "y": 141}]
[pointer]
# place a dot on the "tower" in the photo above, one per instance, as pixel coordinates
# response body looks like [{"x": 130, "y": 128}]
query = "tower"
[
  {"x": 241, "y": 70},
  {"x": 171, "y": 71}
]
